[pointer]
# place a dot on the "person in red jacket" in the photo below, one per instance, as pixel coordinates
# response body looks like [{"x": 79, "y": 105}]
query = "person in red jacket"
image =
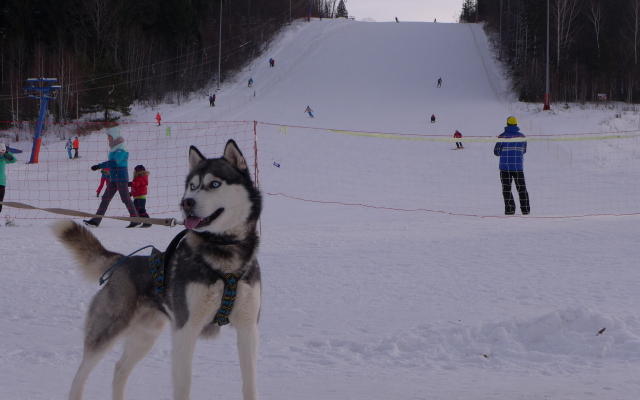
[
  {"x": 158, "y": 118},
  {"x": 139, "y": 191},
  {"x": 76, "y": 147},
  {"x": 458, "y": 135}
]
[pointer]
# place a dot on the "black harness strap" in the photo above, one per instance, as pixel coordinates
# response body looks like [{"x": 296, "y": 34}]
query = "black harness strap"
[
  {"x": 158, "y": 260},
  {"x": 228, "y": 298}
]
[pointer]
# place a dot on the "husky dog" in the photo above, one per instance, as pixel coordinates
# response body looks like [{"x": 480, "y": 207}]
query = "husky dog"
[{"x": 216, "y": 260}]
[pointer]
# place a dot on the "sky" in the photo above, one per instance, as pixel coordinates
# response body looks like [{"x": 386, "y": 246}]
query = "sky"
[
  {"x": 361, "y": 300},
  {"x": 405, "y": 10}
]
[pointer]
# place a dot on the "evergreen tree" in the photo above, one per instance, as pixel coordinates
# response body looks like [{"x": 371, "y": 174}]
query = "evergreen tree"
[
  {"x": 107, "y": 92},
  {"x": 341, "y": 11}
]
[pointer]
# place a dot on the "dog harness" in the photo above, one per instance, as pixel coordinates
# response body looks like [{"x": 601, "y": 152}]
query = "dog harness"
[{"x": 158, "y": 260}]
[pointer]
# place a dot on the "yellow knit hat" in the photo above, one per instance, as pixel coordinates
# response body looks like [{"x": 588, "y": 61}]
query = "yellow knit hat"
[{"x": 512, "y": 121}]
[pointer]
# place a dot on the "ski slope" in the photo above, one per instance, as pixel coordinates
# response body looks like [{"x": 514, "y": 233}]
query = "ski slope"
[{"x": 363, "y": 303}]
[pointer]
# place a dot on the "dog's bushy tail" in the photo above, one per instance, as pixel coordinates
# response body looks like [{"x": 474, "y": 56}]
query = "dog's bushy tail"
[{"x": 90, "y": 255}]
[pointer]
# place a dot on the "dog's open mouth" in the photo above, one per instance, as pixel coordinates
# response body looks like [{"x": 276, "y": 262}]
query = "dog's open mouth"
[{"x": 192, "y": 222}]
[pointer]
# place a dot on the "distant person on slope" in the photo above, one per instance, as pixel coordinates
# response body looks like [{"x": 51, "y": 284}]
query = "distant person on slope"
[
  {"x": 458, "y": 135},
  {"x": 439, "y": 82},
  {"x": 250, "y": 83},
  {"x": 309, "y": 110},
  {"x": 511, "y": 167},
  {"x": 397, "y": 19},
  {"x": 69, "y": 147},
  {"x": 158, "y": 118},
  {"x": 433, "y": 118},
  {"x": 76, "y": 147}
]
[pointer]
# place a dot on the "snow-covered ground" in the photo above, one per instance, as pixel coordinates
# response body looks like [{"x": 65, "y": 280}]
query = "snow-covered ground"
[{"x": 362, "y": 303}]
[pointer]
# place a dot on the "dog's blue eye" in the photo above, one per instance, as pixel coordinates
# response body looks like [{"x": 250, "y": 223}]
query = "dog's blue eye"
[
  {"x": 193, "y": 187},
  {"x": 215, "y": 184}
]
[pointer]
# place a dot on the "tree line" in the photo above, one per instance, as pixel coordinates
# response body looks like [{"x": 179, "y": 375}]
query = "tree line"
[
  {"x": 593, "y": 46},
  {"x": 107, "y": 54}
]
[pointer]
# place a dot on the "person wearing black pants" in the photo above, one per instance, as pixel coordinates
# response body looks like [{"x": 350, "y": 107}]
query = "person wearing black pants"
[
  {"x": 509, "y": 204},
  {"x": 511, "y": 167}
]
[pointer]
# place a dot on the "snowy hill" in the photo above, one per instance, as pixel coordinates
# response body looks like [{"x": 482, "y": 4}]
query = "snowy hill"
[{"x": 362, "y": 303}]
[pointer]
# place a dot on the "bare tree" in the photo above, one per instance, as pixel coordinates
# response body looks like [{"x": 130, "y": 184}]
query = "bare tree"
[
  {"x": 99, "y": 18},
  {"x": 565, "y": 13},
  {"x": 633, "y": 22},
  {"x": 594, "y": 14}
]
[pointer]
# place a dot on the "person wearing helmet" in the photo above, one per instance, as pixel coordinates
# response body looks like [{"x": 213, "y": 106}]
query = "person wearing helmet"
[{"x": 511, "y": 167}]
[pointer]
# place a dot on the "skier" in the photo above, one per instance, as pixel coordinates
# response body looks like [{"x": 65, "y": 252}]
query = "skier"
[
  {"x": 511, "y": 167},
  {"x": 158, "y": 118},
  {"x": 213, "y": 100},
  {"x": 458, "y": 135},
  {"x": 439, "y": 82},
  {"x": 433, "y": 118},
  {"x": 397, "y": 19},
  {"x": 210, "y": 100},
  {"x": 76, "y": 146},
  {"x": 69, "y": 147},
  {"x": 309, "y": 110},
  {"x": 250, "y": 82}
]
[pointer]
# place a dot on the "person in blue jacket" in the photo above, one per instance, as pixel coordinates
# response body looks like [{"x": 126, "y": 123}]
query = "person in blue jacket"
[
  {"x": 6, "y": 157},
  {"x": 511, "y": 167},
  {"x": 118, "y": 177},
  {"x": 69, "y": 147}
]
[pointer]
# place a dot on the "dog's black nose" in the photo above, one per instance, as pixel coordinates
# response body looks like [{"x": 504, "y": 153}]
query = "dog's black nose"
[{"x": 188, "y": 203}]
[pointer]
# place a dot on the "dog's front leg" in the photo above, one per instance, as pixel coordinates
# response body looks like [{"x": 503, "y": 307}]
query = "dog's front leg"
[
  {"x": 184, "y": 343},
  {"x": 248, "y": 353}
]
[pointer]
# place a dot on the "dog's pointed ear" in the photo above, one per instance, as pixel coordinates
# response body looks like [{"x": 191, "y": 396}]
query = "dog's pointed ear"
[
  {"x": 195, "y": 158},
  {"x": 233, "y": 154}
]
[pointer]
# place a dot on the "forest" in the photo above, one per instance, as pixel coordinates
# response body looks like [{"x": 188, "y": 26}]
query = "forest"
[
  {"x": 108, "y": 54},
  {"x": 593, "y": 46}
]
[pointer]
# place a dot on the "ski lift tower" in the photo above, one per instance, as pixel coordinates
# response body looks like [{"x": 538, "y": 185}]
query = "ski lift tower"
[{"x": 41, "y": 91}]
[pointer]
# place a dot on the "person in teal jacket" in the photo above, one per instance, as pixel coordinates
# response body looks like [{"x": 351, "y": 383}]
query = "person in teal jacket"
[
  {"x": 118, "y": 177},
  {"x": 6, "y": 157}
]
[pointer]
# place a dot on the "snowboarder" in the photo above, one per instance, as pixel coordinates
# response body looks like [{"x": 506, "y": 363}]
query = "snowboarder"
[
  {"x": 458, "y": 135},
  {"x": 139, "y": 191},
  {"x": 439, "y": 82},
  {"x": 511, "y": 167},
  {"x": 309, "y": 110},
  {"x": 76, "y": 146},
  {"x": 433, "y": 118},
  {"x": 6, "y": 157},
  {"x": 118, "y": 177},
  {"x": 69, "y": 147},
  {"x": 158, "y": 118},
  {"x": 250, "y": 82}
]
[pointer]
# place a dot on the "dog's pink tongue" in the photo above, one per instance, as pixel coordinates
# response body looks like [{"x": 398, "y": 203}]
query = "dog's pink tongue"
[{"x": 192, "y": 222}]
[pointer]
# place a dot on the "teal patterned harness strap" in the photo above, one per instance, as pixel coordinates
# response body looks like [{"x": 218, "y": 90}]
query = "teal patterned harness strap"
[
  {"x": 156, "y": 263},
  {"x": 228, "y": 298}
]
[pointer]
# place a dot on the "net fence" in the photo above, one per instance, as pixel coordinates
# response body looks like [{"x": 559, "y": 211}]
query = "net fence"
[{"x": 567, "y": 175}]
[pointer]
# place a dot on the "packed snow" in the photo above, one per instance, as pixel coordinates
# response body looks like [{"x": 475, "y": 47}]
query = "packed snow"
[{"x": 364, "y": 303}]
